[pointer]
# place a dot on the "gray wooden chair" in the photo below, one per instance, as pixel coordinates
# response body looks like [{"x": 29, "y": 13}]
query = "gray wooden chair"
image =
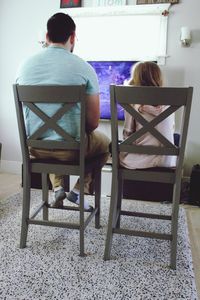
[
  {"x": 68, "y": 96},
  {"x": 174, "y": 98}
]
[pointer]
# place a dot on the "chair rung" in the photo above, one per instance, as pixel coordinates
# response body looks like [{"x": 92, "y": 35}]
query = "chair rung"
[
  {"x": 89, "y": 218},
  {"x": 37, "y": 210},
  {"x": 76, "y": 208},
  {"x": 153, "y": 235},
  {"x": 54, "y": 224},
  {"x": 145, "y": 215},
  {"x": 61, "y": 224}
]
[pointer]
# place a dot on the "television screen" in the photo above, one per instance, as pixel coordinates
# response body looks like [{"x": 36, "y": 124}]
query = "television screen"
[{"x": 111, "y": 72}]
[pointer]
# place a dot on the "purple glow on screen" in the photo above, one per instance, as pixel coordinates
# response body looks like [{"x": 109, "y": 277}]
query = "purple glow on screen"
[{"x": 111, "y": 72}]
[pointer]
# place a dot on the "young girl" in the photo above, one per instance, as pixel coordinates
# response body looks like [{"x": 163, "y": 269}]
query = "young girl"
[{"x": 147, "y": 74}]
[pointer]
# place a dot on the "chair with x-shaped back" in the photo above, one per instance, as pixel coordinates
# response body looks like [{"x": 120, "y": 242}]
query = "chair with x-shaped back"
[
  {"x": 66, "y": 97},
  {"x": 127, "y": 97}
]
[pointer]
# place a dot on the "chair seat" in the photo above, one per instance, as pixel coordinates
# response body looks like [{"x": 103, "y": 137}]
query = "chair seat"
[
  {"x": 149, "y": 191},
  {"x": 49, "y": 161},
  {"x": 165, "y": 175}
]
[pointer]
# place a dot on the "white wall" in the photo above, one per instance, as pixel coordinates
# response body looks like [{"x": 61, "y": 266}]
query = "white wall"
[
  {"x": 20, "y": 22},
  {"x": 183, "y": 68}
]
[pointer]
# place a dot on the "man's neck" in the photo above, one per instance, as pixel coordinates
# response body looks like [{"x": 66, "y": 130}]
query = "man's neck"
[{"x": 66, "y": 46}]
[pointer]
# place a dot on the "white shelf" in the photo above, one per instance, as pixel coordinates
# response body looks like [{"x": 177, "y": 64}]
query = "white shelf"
[{"x": 99, "y": 11}]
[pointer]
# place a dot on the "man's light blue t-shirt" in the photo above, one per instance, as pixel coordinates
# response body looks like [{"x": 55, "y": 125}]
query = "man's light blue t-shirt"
[{"x": 56, "y": 66}]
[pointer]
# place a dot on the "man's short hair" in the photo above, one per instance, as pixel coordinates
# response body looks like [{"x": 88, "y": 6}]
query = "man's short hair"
[{"x": 59, "y": 27}]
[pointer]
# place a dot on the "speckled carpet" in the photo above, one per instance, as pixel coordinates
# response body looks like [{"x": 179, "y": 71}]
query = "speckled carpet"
[{"x": 50, "y": 267}]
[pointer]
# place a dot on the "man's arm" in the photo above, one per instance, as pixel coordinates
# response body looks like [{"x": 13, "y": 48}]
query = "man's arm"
[{"x": 92, "y": 112}]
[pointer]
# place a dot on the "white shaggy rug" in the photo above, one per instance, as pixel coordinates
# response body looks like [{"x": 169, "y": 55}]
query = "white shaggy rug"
[{"x": 50, "y": 266}]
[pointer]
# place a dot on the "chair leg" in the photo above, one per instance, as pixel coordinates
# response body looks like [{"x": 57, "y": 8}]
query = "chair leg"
[
  {"x": 174, "y": 225},
  {"x": 66, "y": 183},
  {"x": 25, "y": 208},
  {"x": 82, "y": 223},
  {"x": 111, "y": 219},
  {"x": 97, "y": 198},
  {"x": 119, "y": 201},
  {"x": 45, "y": 190}
]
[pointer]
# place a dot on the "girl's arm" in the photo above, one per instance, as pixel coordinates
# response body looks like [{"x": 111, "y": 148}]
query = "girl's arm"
[
  {"x": 129, "y": 125},
  {"x": 150, "y": 109}
]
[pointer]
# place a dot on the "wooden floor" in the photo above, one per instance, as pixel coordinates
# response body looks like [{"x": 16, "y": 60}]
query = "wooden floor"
[{"x": 10, "y": 184}]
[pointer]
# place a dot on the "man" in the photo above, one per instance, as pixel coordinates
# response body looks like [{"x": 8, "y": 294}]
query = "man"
[{"x": 59, "y": 66}]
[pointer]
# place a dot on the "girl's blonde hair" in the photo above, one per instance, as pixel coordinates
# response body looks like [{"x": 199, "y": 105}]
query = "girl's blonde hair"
[{"x": 146, "y": 73}]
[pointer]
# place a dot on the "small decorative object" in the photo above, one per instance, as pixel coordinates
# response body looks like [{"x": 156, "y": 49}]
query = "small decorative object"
[
  {"x": 110, "y": 2},
  {"x": 165, "y": 13},
  {"x": 70, "y": 3},
  {"x": 186, "y": 37},
  {"x": 156, "y": 1}
]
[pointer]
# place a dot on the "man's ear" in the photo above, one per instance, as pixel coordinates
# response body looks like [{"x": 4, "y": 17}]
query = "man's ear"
[
  {"x": 72, "y": 38},
  {"x": 47, "y": 38}
]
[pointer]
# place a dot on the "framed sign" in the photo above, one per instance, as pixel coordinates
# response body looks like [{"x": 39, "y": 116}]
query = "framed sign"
[
  {"x": 108, "y": 2},
  {"x": 70, "y": 3},
  {"x": 156, "y": 1}
]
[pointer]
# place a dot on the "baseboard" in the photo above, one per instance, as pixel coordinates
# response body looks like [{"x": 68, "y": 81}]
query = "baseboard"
[
  {"x": 186, "y": 179},
  {"x": 9, "y": 166}
]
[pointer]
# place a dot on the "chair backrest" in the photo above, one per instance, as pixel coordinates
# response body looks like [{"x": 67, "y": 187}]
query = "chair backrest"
[
  {"x": 173, "y": 98},
  {"x": 67, "y": 96}
]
